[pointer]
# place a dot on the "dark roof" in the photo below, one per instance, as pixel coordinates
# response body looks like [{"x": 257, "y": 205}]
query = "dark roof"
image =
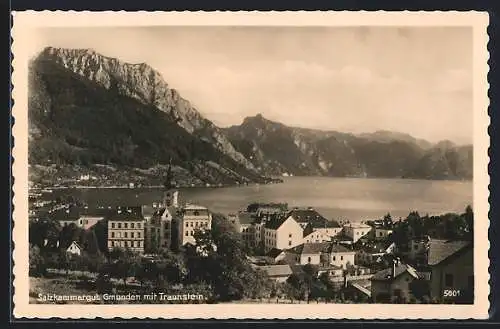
[
  {"x": 440, "y": 250},
  {"x": 273, "y": 253},
  {"x": 276, "y": 270},
  {"x": 126, "y": 213},
  {"x": 387, "y": 275},
  {"x": 315, "y": 248},
  {"x": 338, "y": 248},
  {"x": 275, "y": 222},
  {"x": 313, "y": 217},
  {"x": 245, "y": 218},
  {"x": 70, "y": 213}
]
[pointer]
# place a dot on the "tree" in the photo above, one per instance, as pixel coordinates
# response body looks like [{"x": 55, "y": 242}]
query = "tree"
[
  {"x": 37, "y": 265},
  {"x": 469, "y": 220},
  {"x": 63, "y": 260}
]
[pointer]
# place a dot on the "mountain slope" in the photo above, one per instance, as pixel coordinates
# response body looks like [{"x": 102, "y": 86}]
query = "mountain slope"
[
  {"x": 276, "y": 149},
  {"x": 85, "y": 108}
]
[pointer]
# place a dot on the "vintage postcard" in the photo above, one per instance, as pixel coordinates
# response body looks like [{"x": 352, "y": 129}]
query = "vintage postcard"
[{"x": 250, "y": 165}]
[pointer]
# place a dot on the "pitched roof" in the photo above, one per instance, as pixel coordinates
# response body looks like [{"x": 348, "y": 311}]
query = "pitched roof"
[
  {"x": 276, "y": 270},
  {"x": 313, "y": 217},
  {"x": 440, "y": 250},
  {"x": 335, "y": 248},
  {"x": 126, "y": 213},
  {"x": 273, "y": 253},
  {"x": 70, "y": 213},
  {"x": 275, "y": 222},
  {"x": 76, "y": 244},
  {"x": 387, "y": 275}
]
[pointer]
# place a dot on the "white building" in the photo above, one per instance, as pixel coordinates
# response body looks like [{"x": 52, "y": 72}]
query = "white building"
[
  {"x": 192, "y": 218},
  {"x": 74, "y": 248},
  {"x": 355, "y": 231},
  {"x": 126, "y": 229},
  {"x": 282, "y": 233},
  {"x": 341, "y": 256}
]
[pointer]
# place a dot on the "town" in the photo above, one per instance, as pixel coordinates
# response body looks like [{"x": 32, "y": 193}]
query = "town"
[{"x": 268, "y": 252}]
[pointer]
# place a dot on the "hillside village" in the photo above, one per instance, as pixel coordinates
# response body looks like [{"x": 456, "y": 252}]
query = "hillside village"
[{"x": 297, "y": 249}]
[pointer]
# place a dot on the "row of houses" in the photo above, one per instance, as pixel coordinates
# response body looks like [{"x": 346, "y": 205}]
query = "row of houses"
[
  {"x": 449, "y": 268},
  {"x": 288, "y": 229},
  {"x": 165, "y": 225}
]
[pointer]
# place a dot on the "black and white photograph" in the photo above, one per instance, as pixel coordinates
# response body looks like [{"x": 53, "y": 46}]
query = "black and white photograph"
[{"x": 261, "y": 165}]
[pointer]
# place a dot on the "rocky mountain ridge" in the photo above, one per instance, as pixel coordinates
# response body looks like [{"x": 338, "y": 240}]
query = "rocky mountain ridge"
[{"x": 87, "y": 109}]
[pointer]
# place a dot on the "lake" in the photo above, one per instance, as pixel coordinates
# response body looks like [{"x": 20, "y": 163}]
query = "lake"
[{"x": 339, "y": 198}]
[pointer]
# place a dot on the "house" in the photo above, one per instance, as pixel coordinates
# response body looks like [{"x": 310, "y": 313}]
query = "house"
[
  {"x": 355, "y": 231},
  {"x": 126, "y": 229},
  {"x": 359, "y": 290},
  {"x": 282, "y": 233},
  {"x": 393, "y": 282},
  {"x": 418, "y": 249},
  {"x": 315, "y": 222},
  {"x": 91, "y": 216},
  {"x": 192, "y": 218},
  {"x": 276, "y": 255},
  {"x": 243, "y": 224},
  {"x": 279, "y": 273},
  {"x": 331, "y": 270},
  {"x": 74, "y": 248},
  {"x": 84, "y": 218},
  {"x": 67, "y": 216},
  {"x": 311, "y": 235},
  {"x": 452, "y": 267},
  {"x": 311, "y": 253},
  {"x": 341, "y": 256},
  {"x": 381, "y": 233},
  {"x": 370, "y": 253},
  {"x": 158, "y": 229}
]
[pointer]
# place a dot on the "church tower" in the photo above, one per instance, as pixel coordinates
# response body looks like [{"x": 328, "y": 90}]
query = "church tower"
[{"x": 170, "y": 194}]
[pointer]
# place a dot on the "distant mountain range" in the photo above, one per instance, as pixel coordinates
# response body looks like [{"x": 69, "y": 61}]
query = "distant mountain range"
[
  {"x": 87, "y": 109},
  {"x": 275, "y": 148}
]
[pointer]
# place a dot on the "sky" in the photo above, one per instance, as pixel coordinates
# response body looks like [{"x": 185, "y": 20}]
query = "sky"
[{"x": 416, "y": 80}]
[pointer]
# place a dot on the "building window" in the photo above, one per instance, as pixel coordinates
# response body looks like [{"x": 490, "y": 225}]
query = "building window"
[
  {"x": 341, "y": 257},
  {"x": 112, "y": 234},
  {"x": 187, "y": 233},
  {"x": 138, "y": 225},
  {"x": 290, "y": 235},
  {"x": 448, "y": 280},
  {"x": 187, "y": 224},
  {"x": 191, "y": 224},
  {"x": 138, "y": 234},
  {"x": 132, "y": 235},
  {"x": 119, "y": 225},
  {"x": 308, "y": 259},
  {"x": 125, "y": 234},
  {"x": 333, "y": 258},
  {"x": 126, "y": 225},
  {"x": 131, "y": 225}
]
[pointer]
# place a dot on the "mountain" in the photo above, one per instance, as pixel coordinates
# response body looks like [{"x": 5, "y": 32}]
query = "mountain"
[
  {"x": 85, "y": 109},
  {"x": 276, "y": 149}
]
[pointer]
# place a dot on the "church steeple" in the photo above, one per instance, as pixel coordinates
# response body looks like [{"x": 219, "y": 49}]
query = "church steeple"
[
  {"x": 170, "y": 195},
  {"x": 169, "y": 180}
]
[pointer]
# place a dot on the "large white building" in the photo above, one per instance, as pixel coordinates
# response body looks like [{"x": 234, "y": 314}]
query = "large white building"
[
  {"x": 190, "y": 219},
  {"x": 282, "y": 233},
  {"x": 126, "y": 229}
]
